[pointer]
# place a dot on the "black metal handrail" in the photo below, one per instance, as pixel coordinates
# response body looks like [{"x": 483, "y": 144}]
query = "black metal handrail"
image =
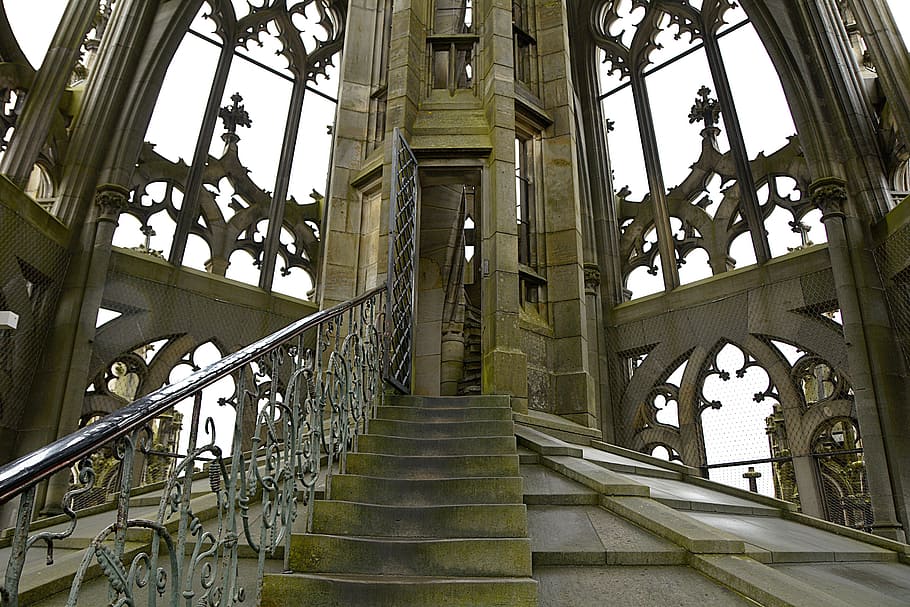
[{"x": 19, "y": 475}]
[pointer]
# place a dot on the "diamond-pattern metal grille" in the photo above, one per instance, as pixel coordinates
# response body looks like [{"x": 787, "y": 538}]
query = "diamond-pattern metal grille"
[{"x": 402, "y": 262}]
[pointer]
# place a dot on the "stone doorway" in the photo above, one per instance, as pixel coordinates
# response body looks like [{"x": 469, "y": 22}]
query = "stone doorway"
[{"x": 447, "y": 341}]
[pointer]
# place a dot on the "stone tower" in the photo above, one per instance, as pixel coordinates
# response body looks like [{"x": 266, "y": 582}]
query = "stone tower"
[{"x": 535, "y": 238}]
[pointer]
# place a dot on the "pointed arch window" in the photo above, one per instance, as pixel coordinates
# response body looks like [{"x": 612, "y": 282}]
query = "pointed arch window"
[
  {"x": 656, "y": 53},
  {"x": 275, "y": 54}
]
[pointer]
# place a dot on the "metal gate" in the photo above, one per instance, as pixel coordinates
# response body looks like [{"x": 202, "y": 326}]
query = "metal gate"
[{"x": 402, "y": 263}]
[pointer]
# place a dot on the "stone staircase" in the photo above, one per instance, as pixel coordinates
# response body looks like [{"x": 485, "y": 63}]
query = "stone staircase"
[
  {"x": 429, "y": 512},
  {"x": 470, "y": 381}
]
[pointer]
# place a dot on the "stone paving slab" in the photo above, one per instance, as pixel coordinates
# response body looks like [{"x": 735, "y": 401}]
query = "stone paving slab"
[
  {"x": 626, "y": 465},
  {"x": 679, "y": 528},
  {"x": 543, "y": 486},
  {"x": 629, "y": 544},
  {"x": 595, "y": 477},
  {"x": 687, "y": 496},
  {"x": 544, "y": 444},
  {"x": 878, "y": 584},
  {"x": 590, "y": 535},
  {"x": 564, "y": 535},
  {"x": 640, "y": 586},
  {"x": 766, "y": 585},
  {"x": 791, "y": 542}
]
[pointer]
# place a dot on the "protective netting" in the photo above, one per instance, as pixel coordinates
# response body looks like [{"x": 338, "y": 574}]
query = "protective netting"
[
  {"x": 151, "y": 334},
  {"x": 746, "y": 383},
  {"x": 32, "y": 269},
  {"x": 893, "y": 260}
]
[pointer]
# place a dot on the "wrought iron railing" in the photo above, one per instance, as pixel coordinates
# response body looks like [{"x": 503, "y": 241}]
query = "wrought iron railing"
[{"x": 301, "y": 397}]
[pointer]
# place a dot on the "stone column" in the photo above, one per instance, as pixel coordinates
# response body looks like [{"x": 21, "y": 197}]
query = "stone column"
[
  {"x": 574, "y": 353},
  {"x": 110, "y": 201},
  {"x": 44, "y": 96},
  {"x": 877, "y": 392},
  {"x": 505, "y": 365}
]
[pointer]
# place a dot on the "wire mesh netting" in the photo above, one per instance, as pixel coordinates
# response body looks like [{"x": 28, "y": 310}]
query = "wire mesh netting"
[
  {"x": 752, "y": 388},
  {"x": 32, "y": 270},
  {"x": 151, "y": 334},
  {"x": 893, "y": 260}
]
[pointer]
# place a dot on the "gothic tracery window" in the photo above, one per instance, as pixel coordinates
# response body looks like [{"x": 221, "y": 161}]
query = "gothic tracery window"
[
  {"x": 689, "y": 81},
  {"x": 246, "y": 77}
]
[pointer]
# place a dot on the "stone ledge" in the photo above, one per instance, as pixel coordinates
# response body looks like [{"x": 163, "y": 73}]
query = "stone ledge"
[
  {"x": 683, "y": 530},
  {"x": 544, "y": 444},
  {"x": 763, "y": 584},
  {"x": 605, "y": 482}
]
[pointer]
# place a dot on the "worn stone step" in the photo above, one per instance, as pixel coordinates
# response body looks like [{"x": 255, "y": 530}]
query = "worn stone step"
[
  {"x": 424, "y": 466},
  {"x": 370, "y": 520},
  {"x": 441, "y": 429},
  {"x": 473, "y": 557},
  {"x": 399, "y": 445},
  {"x": 286, "y": 590},
  {"x": 441, "y": 414},
  {"x": 427, "y": 492},
  {"x": 448, "y": 402}
]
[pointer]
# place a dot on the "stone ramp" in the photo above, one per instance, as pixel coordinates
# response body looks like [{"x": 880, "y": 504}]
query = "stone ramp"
[
  {"x": 652, "y": 534},
  {"x": 429, "y": 512}
]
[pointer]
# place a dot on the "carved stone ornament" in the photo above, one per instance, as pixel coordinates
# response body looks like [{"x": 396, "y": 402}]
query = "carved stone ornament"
[
  {"x": 592, "y": 277},
  {"x": 829, "y": 195},
  {"x": 112, "y": 199}
]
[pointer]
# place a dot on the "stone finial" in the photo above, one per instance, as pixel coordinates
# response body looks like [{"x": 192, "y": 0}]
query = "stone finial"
[
  {"x": 233, "y": 116},
  {"x": 705, "y": 109},
  {"x": 829, "y": 195},
  {"x": 111, "y": 199}
]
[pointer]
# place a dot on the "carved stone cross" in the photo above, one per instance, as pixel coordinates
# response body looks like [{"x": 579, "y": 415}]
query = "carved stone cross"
[
  {"x": 235, "y": 115},
  {"x": 705, "y": 109}
]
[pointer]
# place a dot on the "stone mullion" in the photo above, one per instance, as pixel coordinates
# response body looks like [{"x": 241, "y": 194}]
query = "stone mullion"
[
  {"x": 276, "y": 210},
  {"x": 44, "y": 96},
  {"x": 691, "y": 434},
  {"x": 190, "y": 207},
  {"x": 892, "y": 61},
  {"x": 830, "y": 195},
  {"x": 665, "y": 244},
  {"x": 748, "y": 200}
]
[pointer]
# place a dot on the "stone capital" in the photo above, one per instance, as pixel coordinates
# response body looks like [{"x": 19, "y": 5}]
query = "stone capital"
[
  {"x": 829, "y": 195},
  {"x": 112, "y": 199}
]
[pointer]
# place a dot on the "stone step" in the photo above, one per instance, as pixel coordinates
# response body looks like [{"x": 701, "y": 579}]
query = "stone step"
[
  {"x": 424, "y": 466},
  {"x": 430, "y": 429},
  {"x": 444, "y": 414},
  {"x": 396, "y": 591},
  {"x": 472, "y": 557},
  {"x": 399, "y": 445},
  {"x": 426, "y": 492},
  {"x": 448, "y": 402},
  {"x": 370, "y": 520}
]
